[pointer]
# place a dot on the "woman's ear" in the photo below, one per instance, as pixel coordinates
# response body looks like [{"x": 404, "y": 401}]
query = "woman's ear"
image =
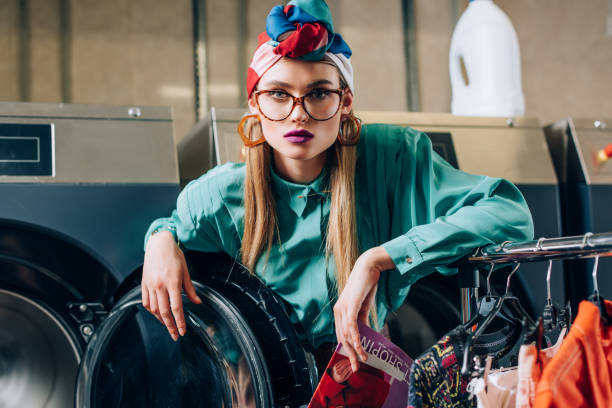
[
  {"x": 253, "y": 106},
  {"x": 347, "y": 102}
]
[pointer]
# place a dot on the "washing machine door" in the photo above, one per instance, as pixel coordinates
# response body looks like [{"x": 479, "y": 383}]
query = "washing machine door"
[{"x": 131, "y": 361}]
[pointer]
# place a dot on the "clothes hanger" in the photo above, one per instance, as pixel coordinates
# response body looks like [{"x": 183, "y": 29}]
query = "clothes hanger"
[
  {"x": 597, "y": 299},
  {"x": 514, "y": 311},
  {"x": 486, "y": 304},
  {"x": 554, "y": 318},
  {"x": 550, "y": 313},
  {"x": 517, "y": 311}
]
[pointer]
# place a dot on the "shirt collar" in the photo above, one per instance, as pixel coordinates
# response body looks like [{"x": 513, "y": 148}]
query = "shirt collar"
[{"x": 297, "y": 195}]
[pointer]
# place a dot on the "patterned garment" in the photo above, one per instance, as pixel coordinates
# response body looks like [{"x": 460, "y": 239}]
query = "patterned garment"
[
  {"x": 436, "y": 380},
  {"x": 302, "y": 29}
]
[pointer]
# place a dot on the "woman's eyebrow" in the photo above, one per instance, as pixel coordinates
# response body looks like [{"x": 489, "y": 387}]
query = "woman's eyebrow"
[
  {"x": 280, "y": 84},
  {"x": 319, "y": 82}
]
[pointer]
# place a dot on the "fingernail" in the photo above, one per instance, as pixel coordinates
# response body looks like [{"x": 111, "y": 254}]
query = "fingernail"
[{"x": 182, "y": 331}]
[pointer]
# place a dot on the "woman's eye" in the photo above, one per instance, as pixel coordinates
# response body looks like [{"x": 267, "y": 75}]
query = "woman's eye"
[
  {"x": 319, "y": 93},
  {"x": 278, "y": 95}
]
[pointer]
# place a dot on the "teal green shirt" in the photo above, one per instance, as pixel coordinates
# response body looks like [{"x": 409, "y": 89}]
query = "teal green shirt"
[{"x": 424, "y": 212}]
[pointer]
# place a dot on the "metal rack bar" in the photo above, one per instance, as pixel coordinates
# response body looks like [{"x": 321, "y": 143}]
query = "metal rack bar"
[
  {"x": 588, "y": 245},
  {"x": 584, "y": 246}
]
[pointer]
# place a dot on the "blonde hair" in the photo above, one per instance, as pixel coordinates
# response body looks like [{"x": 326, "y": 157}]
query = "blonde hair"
[{"x": 260, "y": 219}]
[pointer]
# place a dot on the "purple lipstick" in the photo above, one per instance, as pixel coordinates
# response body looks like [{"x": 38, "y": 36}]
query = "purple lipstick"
[{"x": 298, "y": 136}]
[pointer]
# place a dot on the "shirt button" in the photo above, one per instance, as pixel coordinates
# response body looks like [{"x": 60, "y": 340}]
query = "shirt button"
[{"x": 408, "y": 259}]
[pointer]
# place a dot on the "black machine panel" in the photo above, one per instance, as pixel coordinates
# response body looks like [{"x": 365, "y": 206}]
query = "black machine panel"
[
  {"x": 442, "y": 144},
  {"x": 543, "y": 202},
  {"x": 585, "y": 195},
  {"x": 26, "y": 149}
]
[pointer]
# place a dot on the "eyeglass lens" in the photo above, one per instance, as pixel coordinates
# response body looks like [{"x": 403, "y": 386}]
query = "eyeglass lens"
[{"x": 319, "y": 104}]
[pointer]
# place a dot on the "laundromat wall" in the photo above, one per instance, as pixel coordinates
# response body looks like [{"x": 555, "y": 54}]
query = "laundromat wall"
[{"x": 193, "y": 54}]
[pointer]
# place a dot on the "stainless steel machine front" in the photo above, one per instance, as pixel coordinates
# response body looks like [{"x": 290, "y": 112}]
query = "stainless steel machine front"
[
  {"x": 79, "y": 184},
  {"x": 586, "y": 192}
]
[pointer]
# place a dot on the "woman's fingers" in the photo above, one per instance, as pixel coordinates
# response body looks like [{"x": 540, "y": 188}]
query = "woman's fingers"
[
  {"x": 153, "y": 306},
  {"x": 166, "y": 313},
  {"x": 189, "y": 289},
  {"x": 176, "y": 306},
  {"x": 145, "y": 296},
  {"x": 343, "y": 332},
  {"x": 355, "y": 338},
  {"x": 351, "y": 334}
]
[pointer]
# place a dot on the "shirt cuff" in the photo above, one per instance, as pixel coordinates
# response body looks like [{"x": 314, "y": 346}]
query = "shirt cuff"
[
  {"x": 404, "y": 253},
  {"x": 157, "y": 229}
]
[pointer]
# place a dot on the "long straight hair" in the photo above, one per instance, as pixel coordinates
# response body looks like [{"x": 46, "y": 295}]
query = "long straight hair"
[{"x": 260, "y": 218}]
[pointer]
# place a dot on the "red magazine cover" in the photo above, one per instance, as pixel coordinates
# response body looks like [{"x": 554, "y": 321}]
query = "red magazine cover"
[{"x": 380, "y": 382}]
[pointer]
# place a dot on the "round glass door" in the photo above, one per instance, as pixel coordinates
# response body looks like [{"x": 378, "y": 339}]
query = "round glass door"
[{"x": 131, "y": 360}]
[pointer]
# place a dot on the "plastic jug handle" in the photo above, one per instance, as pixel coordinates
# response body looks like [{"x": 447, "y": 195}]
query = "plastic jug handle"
[{"x": 455, "y": 71}]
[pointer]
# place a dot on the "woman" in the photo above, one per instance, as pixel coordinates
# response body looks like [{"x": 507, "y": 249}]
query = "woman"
[{"x": 338, "y": 219}]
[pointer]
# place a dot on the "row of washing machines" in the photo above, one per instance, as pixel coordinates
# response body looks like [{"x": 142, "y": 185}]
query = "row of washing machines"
[{"x": 79, "y": 185}]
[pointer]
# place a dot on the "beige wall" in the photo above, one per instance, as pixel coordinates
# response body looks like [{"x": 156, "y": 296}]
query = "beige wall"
[
  {"x": 45, "y": 76},
  {"x": 135, "y": 52},
  {"x": 140, "y": 52},
  {"x": 434, "y": 23},
  {"x": 566, "y": 56},
  {"x": 9, "y": 50},
  {"x": 127, "y": 52},
  {"x": 222, "y": 43},
  {"x": 375, "y": 34}
]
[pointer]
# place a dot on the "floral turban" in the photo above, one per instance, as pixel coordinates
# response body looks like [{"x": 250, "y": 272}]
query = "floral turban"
[{"x": 310, "y": 37}]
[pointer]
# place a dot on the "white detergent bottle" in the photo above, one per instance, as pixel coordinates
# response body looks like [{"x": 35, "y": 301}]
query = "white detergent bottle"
[{"x": 485, "y": 42}]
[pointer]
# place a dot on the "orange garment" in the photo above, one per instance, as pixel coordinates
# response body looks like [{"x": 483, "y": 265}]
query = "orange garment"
[
  {"x": 580, "y": 373},
  {"x": 530, "y": 367}
]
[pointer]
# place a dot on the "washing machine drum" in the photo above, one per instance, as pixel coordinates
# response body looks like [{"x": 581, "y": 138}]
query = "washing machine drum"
[{"x": 240, "y": 349}]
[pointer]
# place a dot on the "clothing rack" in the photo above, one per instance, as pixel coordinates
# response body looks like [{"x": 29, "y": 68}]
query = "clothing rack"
[{"x": 584, "y": 246}]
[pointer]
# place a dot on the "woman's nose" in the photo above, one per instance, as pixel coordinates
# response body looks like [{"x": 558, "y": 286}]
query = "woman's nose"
[{"x": 299, "y": 114}]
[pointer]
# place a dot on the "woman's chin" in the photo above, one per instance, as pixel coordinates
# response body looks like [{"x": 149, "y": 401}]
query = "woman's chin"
[{"x": 299, "y": 152}]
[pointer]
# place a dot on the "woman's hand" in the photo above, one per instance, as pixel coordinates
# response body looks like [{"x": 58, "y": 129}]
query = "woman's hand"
[
  {"x": 164, "y": 275},
  {"x": 357, "y": 298}
]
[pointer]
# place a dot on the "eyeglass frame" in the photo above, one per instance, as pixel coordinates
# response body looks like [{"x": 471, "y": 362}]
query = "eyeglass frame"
[{"x": 340, "y": 92}]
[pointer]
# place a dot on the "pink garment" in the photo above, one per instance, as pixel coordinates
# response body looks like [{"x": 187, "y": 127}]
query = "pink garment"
[
  {"x": 530, "y": 367},
  {"x": 496, "y": 390}
]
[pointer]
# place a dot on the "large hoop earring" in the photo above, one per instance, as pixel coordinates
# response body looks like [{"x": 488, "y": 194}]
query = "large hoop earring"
[
  {"x": 356, "y": 123},
  {"x": 248, "y": 142}
]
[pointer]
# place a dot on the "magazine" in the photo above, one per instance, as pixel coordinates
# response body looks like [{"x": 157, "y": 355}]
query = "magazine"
[{"x": 381, "y": 381}]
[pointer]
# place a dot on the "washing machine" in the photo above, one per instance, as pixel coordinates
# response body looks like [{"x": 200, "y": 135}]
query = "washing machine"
[
  {"x": 514, "y": 149},
  {"x": 585, "y": 193},
  {"x": 79, "y": 185}
]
